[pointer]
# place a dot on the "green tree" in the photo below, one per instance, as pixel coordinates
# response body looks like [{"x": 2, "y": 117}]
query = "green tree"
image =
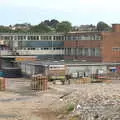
[
  {"x": 51, "y": 23},
  {"x": 102, "y": 26},
  {"x": 4, "y": 29},
  {"x": 64, "y": 26},
  {"x": 41, "y": 28}
]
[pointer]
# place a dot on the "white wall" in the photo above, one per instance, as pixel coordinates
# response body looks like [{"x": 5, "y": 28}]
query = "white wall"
[
  {"x": 40, "y": 52},
  {"x": 5, "y": 52},
  {"x": 89, "y": 69}
]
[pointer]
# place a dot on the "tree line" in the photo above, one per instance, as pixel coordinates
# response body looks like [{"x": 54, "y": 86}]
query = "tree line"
[{"x": 52, "y": 26}]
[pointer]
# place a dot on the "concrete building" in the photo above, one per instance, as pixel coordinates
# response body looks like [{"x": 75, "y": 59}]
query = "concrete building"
[{"x": 41, "y": 45}]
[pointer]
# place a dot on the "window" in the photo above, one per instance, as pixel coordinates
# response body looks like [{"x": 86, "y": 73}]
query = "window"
[
  {"x": 97, "y": 51},
  {"x": 54, "y": 37},
  {"x": 97, "y": 37},
  {"x": 80, "y": 51},
  {"x": 68, "y": 38},
  {"x": 92, "y": 51},
  {"x": 69, "y": 51},
  {"x": 86, "y": 52},
  {"x": 50, "y": 38},
  {"x": 44, "y": 37},
  {"x": 116, "y": 49},
  {"x": 37, "y": 37},
  {"x": 32, "y": 48},
  {"x": 45, "y": 48}
]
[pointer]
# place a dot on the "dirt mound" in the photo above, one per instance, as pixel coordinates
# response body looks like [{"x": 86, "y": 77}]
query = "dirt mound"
[{"x": 45, "y": 114}]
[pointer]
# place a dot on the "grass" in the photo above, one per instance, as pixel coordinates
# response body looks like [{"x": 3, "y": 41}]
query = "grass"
[{"x": 70, "y": 107}]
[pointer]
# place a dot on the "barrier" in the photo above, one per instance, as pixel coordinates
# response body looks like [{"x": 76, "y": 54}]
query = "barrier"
[
  {"x": 2, "y": 84},
  {"x": 39, "y": 82}
]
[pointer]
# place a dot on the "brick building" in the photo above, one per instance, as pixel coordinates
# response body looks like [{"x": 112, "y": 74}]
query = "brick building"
[
  {"x": 94, "y": 46},
  {"x": 110, "y": 48}
]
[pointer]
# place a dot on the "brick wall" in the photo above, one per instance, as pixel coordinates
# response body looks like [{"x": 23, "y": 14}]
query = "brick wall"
[{"x": 111, "y": 40}]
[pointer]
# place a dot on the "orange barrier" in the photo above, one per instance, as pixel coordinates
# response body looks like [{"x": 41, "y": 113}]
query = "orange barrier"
[{"x": 2, "y": 83}]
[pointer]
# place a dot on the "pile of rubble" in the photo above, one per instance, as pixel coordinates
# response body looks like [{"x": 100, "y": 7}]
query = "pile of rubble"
[
  {"x": 95, "y": 102},
  {"x": 98, "y": 108}
]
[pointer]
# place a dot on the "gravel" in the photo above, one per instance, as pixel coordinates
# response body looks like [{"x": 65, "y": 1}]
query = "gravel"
[{"x": 94, "y": 102}]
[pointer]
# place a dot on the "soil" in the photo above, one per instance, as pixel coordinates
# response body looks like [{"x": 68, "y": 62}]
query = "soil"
[{"x": 19, "y": 102}]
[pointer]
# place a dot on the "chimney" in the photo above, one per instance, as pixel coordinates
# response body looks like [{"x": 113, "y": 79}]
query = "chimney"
[{"x": 116, "y": 27}]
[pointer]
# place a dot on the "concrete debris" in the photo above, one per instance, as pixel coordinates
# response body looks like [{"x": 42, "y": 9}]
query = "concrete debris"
[
  {"x": 98, "y": 101},
  {"x": 95, "y": 102}
]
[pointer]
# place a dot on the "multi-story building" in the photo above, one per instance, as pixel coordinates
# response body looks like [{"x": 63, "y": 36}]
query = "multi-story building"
[
  {"x": 94, "y": 46},
  {"x": 83, "y": 46},
  {"x": 42, "y": 45}
]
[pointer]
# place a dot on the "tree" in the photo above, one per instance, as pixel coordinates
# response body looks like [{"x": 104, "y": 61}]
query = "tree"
[
  {"x": 41, "y": 28},
  {"x": 51, "y": 23},
  {"x": 64, "y": 26},
  {"x": 101, "y": 26},
  {"x": 5, "y": 29}
]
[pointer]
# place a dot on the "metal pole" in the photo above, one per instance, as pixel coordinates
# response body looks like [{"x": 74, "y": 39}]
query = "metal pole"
[{"x": 52, "y": 47}]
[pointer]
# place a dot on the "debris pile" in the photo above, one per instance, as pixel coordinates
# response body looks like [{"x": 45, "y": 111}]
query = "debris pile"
[{"x": 95, "y": 102}]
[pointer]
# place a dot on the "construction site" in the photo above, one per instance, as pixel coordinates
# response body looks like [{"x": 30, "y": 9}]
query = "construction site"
[
  {"x": 58, "y": 90},
  {"x": 73, "y": 76}
]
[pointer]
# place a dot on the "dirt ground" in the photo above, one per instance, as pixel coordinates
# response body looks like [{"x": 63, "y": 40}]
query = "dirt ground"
[{"x": 19, "y": 102}]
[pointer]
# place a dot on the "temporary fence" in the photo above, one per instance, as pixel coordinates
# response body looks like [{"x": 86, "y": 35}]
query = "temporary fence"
[
  {"x": 2, "y": 83},
  {"x": 39, "y": 82}
]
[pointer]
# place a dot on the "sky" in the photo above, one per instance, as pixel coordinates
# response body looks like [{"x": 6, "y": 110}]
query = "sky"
[{"x": 76, "y": 11}]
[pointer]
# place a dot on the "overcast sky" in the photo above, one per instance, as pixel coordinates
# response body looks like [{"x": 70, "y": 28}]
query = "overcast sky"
[{"x": 76, "y": 11}]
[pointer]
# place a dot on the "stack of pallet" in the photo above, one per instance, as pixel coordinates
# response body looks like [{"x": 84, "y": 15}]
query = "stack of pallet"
[
  {"x": 2, "y": 83},
  {"x": 39, "y": 82}
]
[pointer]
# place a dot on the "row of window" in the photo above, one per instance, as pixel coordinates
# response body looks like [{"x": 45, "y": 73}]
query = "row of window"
[
  {"x": 43, "y": 48},
  {"x": 41, "y": 44},
  {"x": 82, "y": 51},
  {"x": 116, "y": 49},
  {"x": 84, "y": 37},
  {"x": 29, "y": 37},
  {"x": 70, "y": 37}
]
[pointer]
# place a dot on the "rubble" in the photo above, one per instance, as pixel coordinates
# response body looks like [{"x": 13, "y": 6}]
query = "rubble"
[{"x": 95, "y": 102}]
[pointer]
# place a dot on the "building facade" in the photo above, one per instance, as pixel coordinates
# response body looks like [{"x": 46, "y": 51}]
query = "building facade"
[
  {"x": 93, "y": 46},
  {"x": 42, "y": 45},
  {"x": 83, "y": 46}
]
